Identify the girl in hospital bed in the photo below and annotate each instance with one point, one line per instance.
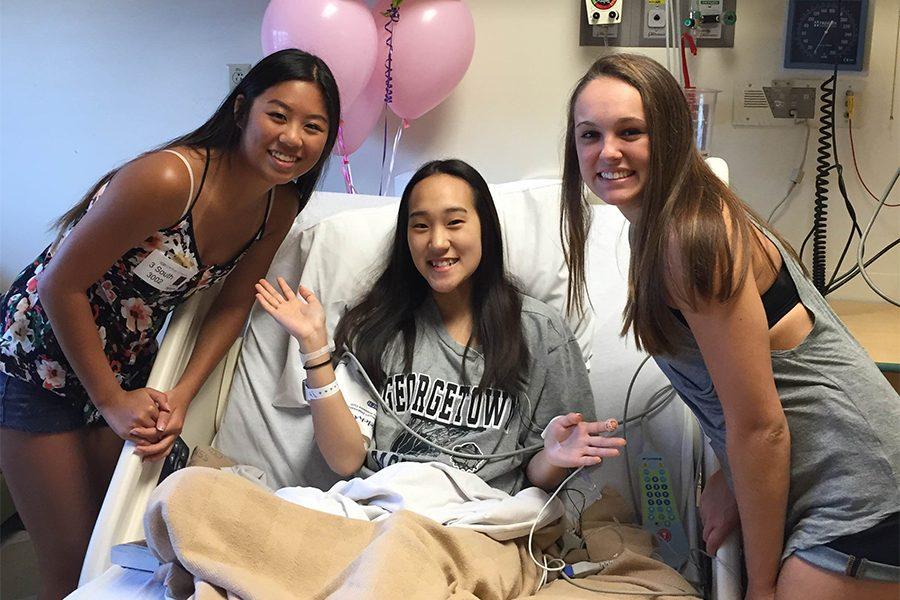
(806, 427)
(463, 358)
(80, 322)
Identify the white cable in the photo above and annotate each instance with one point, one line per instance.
(796, 173)
(860, 250)
(676, 39)
(545, 567)
(668, 32)
(543, 580)
(674, 34)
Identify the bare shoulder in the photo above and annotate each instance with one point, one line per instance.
(158, 182)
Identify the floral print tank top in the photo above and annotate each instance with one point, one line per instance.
(129, 309)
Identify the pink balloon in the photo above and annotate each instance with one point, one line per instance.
(433, 46)
(340, 32)
(361, 116)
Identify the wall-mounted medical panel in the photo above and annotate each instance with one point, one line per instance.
(643, 23)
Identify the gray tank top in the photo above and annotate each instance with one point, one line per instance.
(843, 416)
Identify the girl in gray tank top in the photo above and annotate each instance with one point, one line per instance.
(806, 427)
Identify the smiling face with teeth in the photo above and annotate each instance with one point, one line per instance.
(285, 130)
(444, 233)
(613, 143)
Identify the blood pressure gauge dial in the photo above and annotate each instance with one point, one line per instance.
(824, 33)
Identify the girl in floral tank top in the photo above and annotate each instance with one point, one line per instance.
(78, 326)
(128, 309)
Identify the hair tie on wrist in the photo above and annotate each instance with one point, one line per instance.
(321, 364)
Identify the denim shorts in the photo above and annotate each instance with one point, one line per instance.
(871, 554)
(28, 407)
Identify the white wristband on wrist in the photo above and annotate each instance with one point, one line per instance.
(305, 358)
(312, 394)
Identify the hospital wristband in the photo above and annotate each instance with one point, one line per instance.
(305, 358)
(312, 394)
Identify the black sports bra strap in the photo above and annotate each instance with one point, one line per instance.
(777, 301)
(262, 228)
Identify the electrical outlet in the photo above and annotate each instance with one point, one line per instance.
(847, 95)
(236, 72)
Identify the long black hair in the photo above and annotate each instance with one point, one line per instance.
(222, 131)
(370, 327)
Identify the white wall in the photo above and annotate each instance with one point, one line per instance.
(86, 85)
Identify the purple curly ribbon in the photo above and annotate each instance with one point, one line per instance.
(393, 16)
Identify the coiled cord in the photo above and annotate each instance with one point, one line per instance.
(823, 167)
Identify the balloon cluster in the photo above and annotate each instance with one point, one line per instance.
(408, 54)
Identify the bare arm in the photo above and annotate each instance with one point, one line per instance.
(733, 338)
(223, 323)
(144, 196)
(337, 434)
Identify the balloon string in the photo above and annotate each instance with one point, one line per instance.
(345, 161)
(383, 155)
(400, 129)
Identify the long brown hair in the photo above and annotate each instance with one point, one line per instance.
(684, 208)
(222, 131)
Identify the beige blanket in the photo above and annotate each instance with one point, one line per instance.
(223, 537)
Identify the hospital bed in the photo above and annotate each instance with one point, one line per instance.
(327, 244)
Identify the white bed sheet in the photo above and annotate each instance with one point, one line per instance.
(118, 582)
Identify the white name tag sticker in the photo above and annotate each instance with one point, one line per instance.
(162, 272)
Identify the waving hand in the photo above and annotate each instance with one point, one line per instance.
(300, 313)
